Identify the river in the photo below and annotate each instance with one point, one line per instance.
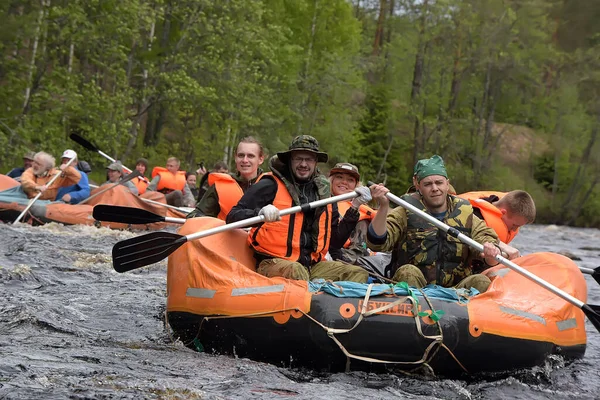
(71, 327)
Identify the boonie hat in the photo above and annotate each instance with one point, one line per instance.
(70, 154)
(345, 168)
(303, 143)
(116, 167)
(430, 166)
(30, 155)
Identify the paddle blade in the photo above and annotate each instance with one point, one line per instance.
(78, 139)
(593, 313)
(125, 215)
(144, 250)
(596, 274)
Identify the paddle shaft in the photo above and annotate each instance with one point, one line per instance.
(179, 209)
(261, 218)
(479, 247)
(127, 178)
(55, 177)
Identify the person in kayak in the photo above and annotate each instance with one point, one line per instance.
(294, 246)
(16, 173)
(505, 213)
(81, 190)
(34, 179)
(115, 173)
(225, 189)
(171, 182)
(422, 253)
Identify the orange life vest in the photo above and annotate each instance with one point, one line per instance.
(228, 191)
(141, 183)
(365, 213)
(281, 239)
(169, 181)
(491, 214)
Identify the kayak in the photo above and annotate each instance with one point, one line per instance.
(216, 302)
(13, 201)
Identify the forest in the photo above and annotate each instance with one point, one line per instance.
(506, 91)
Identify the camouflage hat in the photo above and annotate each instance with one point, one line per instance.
(345, 168)
(430, 166)
(29, 155)
(303, 143)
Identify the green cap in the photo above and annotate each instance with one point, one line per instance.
(430, 166)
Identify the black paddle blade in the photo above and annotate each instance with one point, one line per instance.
(125, 215)
(593, 313)
(144, 250)
(596, 274)
(78, 139)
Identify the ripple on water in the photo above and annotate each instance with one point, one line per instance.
(71, 327)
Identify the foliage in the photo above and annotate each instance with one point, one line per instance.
(380, 83)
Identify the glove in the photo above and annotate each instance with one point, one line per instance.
(270, 212)
(364, 196)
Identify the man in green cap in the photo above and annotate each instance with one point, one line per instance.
(294, 246)
(423, 254)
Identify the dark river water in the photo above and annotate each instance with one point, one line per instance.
(71, 327)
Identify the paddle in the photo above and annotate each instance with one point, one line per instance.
(55, 177)
(148, 249)
(125, 179)
(88, 145)
(183, 210)
(130, 215)
(591, 311)
(595, 273)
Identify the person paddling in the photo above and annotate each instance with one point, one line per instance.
(75, 193)
(115, 173)
(225, 190)
(423, 254)
(171, 182)
(41, 172)
(294, 246)
(16, 173)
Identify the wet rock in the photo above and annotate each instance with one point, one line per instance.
(572, 256)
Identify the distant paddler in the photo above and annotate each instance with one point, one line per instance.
(41, 172)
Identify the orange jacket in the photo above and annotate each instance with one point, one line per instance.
(228, 190)
(169, 181)
(141, 182)
(491, 214)
(70, 176)
(281, 239)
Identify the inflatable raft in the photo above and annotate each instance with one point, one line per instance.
(13, 201)
(217, 302)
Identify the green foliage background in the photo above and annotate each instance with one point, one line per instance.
(506, 91)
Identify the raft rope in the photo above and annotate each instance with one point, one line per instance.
(428, 354)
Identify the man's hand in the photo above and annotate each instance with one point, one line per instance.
(509, 252)
(63, 167)
(41, 188)
(378, 192)
(270, 212)
(364, 196)
(490, 251)
(201, 171)
(66, 198)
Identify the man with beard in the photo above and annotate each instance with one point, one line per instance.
(294, 246)
(424, 254)
(34, 179)
(225, 190)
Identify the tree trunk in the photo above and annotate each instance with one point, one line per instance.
(378, 42)
(36, 39)
(575, 186)
(416, 85)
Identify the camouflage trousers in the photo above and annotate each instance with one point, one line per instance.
(414, 277)
(328, 270)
